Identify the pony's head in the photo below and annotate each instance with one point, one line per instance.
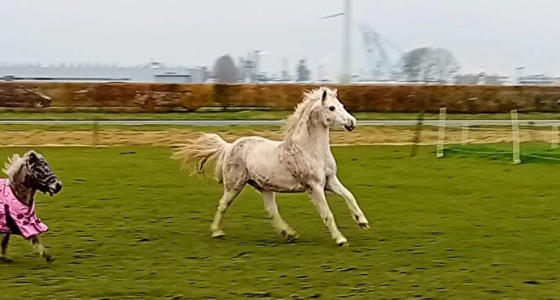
(33, 171)
(333, 113)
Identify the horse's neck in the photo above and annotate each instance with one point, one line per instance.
(312, 139)
(23, 193)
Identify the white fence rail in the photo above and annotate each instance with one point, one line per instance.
(512, 125)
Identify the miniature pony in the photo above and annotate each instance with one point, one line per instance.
(26, 176)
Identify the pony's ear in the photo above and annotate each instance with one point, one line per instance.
(324, 97)
(32, 158)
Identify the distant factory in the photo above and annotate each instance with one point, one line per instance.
(152, 72)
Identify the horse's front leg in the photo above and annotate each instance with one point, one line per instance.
(5, 240)
(317, 193)
(39, 248)
(334, 185)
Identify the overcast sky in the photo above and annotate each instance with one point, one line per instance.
(495, 36)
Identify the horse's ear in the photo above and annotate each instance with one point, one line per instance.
(32, 158)
(324, 97)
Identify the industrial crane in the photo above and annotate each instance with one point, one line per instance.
(380, 67)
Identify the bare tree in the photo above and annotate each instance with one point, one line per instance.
(225, 70)
(445, 65)
(412, 64)
(428, 64)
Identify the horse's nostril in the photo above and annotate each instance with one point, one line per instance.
(58, 187)
(349, 127)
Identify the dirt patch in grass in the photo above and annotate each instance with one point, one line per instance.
(364, 135)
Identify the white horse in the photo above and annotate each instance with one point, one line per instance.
(302, 162)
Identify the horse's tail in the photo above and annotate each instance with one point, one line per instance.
(204, 150)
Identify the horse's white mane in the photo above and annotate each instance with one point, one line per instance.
(15, 162)
(304, 108)
(13, 165)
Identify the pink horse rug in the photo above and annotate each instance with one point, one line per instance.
(16, 217)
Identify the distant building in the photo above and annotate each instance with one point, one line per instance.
(480, 79)
(539, 79)
(495, 79)
(153, 72)
(467, 79)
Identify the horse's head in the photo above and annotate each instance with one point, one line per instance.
(39, 174)
(335, 115)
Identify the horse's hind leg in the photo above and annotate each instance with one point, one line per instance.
(226, 200)
(277, 222)
(38, 246)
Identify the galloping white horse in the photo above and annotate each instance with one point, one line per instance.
(302, 162)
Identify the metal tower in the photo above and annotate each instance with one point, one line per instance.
(345, 72)
(378, 63)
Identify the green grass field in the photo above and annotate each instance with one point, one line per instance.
(529, 152)
(129, 225)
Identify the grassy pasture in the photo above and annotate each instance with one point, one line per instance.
(129, 225)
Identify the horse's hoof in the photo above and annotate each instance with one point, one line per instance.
(290, 237)
(342, 242)
(218, 234)
(364, 225)
(6, 259)
(49, 258)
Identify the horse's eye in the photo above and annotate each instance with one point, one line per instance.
(331, 108)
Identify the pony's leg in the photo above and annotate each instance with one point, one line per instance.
(5, 241)
(38, 246)
(277, 222)
(334, 185)
(320, 201)
(226, 200)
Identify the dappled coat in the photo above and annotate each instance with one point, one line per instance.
(16, 217)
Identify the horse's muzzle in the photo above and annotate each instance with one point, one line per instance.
(57, 187)
(350, 126)
(54, 187)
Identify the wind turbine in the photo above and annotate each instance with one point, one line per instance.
(345, 75)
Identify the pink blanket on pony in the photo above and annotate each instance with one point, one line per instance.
(16, 217)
